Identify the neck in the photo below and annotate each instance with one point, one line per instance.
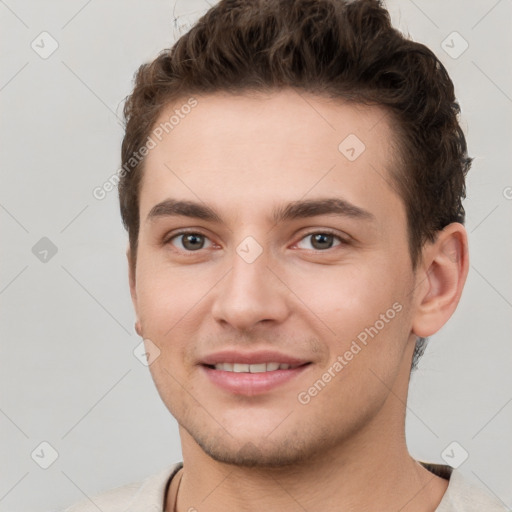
(344, 478)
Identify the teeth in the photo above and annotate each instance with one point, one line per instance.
(258, 368)
(252, 368)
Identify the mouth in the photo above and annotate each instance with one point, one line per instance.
(253, 368)
(251, 374)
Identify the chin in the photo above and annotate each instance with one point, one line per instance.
(258, 452)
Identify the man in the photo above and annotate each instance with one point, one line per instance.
(291, 185)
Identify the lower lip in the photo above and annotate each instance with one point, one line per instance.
(251, 384)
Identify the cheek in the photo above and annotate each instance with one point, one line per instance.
(167, 294)
(168, 301)
(366, 314)
(364, 318)
(348, 298)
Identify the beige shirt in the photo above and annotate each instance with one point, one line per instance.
(150, 494)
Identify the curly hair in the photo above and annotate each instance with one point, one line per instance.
(334, 48)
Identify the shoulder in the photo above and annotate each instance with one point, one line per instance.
(150, 491)
(463, 496)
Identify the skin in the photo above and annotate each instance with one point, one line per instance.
(244, 156)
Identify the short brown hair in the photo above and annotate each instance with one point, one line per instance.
(332, 48)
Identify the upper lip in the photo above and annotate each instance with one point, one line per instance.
(255, 357)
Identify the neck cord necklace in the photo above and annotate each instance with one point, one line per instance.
(174, 509)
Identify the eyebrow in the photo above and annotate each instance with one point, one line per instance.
(294, 210)
(314, 207)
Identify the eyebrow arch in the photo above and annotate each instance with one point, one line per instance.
(170, 207)
(294, 210)
(314, 207)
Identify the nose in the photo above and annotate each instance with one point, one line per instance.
(250, 294)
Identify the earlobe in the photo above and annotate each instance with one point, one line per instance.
(445, 268)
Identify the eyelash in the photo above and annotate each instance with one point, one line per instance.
(342, 240)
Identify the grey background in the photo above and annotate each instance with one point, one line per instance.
(68, 374)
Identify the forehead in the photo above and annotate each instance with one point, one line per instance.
(248, 152)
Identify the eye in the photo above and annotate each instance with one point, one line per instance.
(188, 241)
(321, 240)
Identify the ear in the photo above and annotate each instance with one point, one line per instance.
(440, 279)
(133, 289)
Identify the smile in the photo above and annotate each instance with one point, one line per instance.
(252, 379)
(253, 368)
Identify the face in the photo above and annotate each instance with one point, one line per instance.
(273, 276)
